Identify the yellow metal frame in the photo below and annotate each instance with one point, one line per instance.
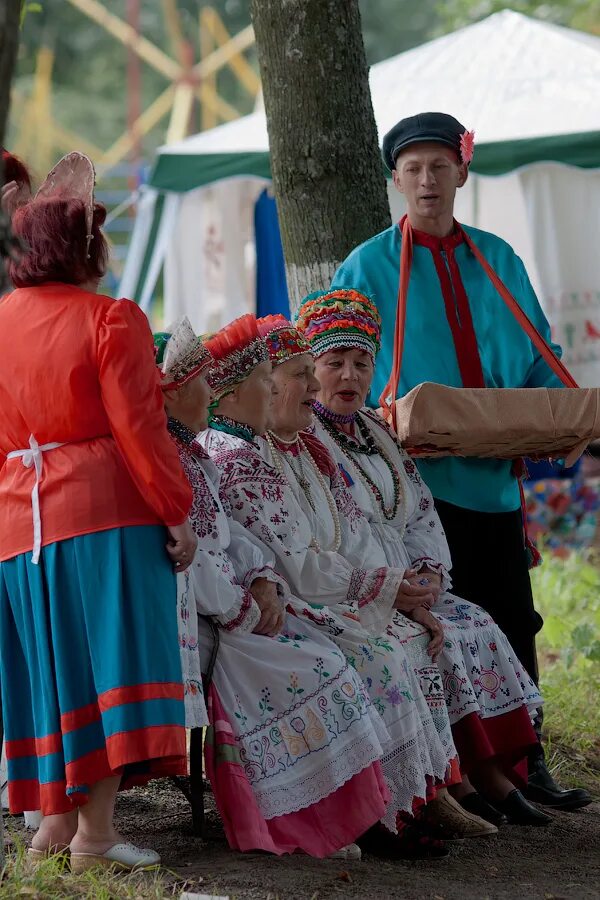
(39, 135)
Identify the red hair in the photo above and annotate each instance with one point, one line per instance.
(54, 232)
(14, 169)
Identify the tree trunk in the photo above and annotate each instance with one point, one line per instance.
(10, 13)
(325, 161)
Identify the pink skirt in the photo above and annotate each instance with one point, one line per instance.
(318, 830)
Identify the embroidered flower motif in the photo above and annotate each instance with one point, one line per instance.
(467, 146)
(394, 695)
(298, 724)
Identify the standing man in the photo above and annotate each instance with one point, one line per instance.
(459, 332)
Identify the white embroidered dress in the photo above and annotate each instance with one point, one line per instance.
(302, 719)
(480, 670)
(352, 605)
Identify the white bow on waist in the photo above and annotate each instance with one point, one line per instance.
(33, 456)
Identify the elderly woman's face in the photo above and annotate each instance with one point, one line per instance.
(345, 377)
(295, 389)
(189, 403)
(250, 402)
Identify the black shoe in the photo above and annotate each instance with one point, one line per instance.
(542, 788)
(478, 806)
(520, 812)
(410, 843)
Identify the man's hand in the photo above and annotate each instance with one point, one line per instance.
(436, 630)
(271, 612)
(411, 595)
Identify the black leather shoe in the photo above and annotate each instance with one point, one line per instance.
(542, 788)
(478, 806)
(411, 843)
(519, 811)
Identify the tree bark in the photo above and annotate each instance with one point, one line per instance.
(325, 162)
(10, 12)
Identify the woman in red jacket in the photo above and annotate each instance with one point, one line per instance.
(92, 505)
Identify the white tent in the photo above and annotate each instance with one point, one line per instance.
(530, 90)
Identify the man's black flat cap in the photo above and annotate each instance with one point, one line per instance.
(429, 126)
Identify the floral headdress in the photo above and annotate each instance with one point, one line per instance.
(283, 340)
(236, 351)
(344, 318)
(180, 355)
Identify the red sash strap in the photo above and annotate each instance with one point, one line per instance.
(463, 334)
(544, 348)
(465, 359)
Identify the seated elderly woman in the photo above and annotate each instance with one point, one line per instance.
(353, 601)
(293, 751)
(488, 693)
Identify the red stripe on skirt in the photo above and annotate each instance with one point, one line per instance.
(30, 794)
(128, 747)
(79, 718)
(50, 743)
(138, 693)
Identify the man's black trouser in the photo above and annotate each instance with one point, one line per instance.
(490, 568)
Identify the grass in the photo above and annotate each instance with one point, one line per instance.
(52, 880)
(567, 594)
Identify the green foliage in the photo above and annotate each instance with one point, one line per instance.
(27, 8)
(581, 14)
(392, 26)
(567, 594)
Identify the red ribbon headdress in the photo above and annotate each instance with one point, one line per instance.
(236, 351)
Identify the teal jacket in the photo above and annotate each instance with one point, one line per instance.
(508, 357)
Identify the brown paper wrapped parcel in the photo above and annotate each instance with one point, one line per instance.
(503, 423)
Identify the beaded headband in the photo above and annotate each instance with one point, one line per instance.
(180, 355)
(282, 339)
(344, 318)
(236, 351)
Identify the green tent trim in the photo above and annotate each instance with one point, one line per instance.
(184, 172)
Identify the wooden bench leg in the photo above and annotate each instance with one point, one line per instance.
(197, 781)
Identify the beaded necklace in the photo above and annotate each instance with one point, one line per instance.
(230, 426)
(277, 457)
(370, 447)
(180, 431)
(326, 413)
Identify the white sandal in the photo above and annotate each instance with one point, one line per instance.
(350, 852)
(124, 857)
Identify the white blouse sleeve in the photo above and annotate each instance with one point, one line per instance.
(216, 592)
(251, 559)
(424, 537)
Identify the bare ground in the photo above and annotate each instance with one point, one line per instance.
(560, 861)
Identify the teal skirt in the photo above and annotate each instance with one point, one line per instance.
(89, 667)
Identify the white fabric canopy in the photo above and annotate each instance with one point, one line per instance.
(508, 77)
(531, 92)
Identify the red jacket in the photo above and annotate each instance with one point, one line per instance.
(78, 368)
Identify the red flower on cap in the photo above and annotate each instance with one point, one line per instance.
(467, 145)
